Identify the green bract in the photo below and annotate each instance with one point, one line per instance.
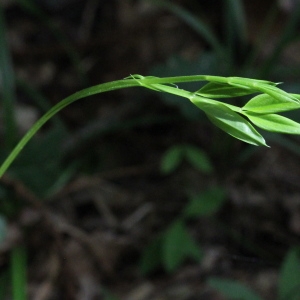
(237, 121)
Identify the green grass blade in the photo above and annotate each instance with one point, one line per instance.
(18, 272)
(7, 86)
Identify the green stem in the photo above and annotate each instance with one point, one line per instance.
(18, 272)
(155, 83)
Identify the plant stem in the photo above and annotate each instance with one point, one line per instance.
(18, 272)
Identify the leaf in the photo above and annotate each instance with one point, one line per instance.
(177, 246)
(265, 104)
(249, 82)
(277, 93)
(289, 282)
(266, 87)
(232, 289)
(219, 90)
(274, 123)
(198, 159)
(206, 62)
(171, 159)
(205, 204)
(230, 121)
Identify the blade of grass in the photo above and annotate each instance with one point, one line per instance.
(18, 266)
(7, 86)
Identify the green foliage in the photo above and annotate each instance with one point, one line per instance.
(172, 159)
(198, 159)
(39, 163)
(172, 247)
(207, 203)
(233, 289)
(289, 282)
(228, 117)
(175, 155)
(177, 246)
(229, 51)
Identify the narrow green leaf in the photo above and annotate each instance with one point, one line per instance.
(219, 90)
(250, 83)
(18, 265)
(289, 283)
(265, 104)
(274, 123)
(231, 122)
(198, 159)
(206, 203)
(171, 160)
(232, 289)
(178, 245)
(277, 93)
